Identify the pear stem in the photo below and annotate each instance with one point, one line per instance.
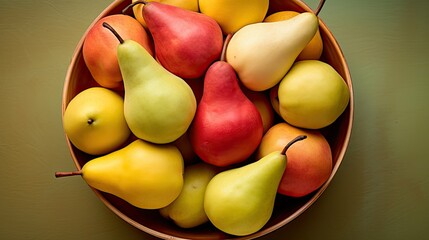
(132, 5)
(319, 8)
(299, 138)
(66, 174)
(106, 25)
(225, 45)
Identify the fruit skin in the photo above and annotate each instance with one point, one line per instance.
(312, 95)
(186, 42)
(94, 121)
(263, 104)
(314, 48)
(146, 175)
(191, 5)
(240, 201)
(227, 127)
(159, 106)
(262, 53)
(234, 14)
(99, 48)
(187, 211)
(184, 145)
(274, 98)
(309, 162)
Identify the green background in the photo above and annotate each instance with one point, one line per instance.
(381, 190)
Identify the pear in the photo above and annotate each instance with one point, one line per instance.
(187, 211)
(262, 53)
(158, 105)
(227, 127)
(312, 95)
(146, 175)
(240, 201)
(186, 42)
(234, 14)
(191, 5)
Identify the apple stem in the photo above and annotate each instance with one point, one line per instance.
(225, 45)
(106, 25)
(66, 174)
(132, 5)
(319, 8)
(299, 138)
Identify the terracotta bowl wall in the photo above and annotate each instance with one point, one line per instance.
(286, 209)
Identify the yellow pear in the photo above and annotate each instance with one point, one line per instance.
(234, 14)
(147, 175)
(187, 210)
(191, 5)
(314, 48)
(262, 53)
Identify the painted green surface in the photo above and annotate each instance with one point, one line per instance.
(381, 190)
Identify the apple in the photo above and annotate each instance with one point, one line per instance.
(263, 104)
(191, 5)
(94, 121)
(309, 162)
(100, 47)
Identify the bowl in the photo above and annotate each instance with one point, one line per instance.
(286, 209)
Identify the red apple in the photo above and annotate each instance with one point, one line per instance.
(309, 162)
(100, 47)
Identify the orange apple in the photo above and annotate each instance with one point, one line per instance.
(263, 104)
(309, 162)
(100, 47)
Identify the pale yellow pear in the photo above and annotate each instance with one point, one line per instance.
(314, 48)
(191, 5)
(312, 95)
(262, 53)
(234, 14)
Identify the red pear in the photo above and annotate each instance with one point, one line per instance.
(227, 126)
(186, 42)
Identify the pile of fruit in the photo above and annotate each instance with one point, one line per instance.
(206, 117)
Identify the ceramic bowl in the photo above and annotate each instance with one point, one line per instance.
(286, 209)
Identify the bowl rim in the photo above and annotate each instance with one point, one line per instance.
(264, 231)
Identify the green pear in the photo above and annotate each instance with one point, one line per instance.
(262, 53)
(187, 210)
(158, 105)
(240, 201)
(147, 175)
(312, 95)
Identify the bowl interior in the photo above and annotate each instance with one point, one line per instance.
(286, 209)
